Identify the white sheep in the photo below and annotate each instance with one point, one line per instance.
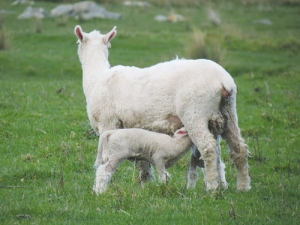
(134, 144)
(164, 98)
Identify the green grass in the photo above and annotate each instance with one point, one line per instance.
(48, 151)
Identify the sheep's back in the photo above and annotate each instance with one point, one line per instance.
(147, 97)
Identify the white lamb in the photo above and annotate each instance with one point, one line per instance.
(197, 94)
(134, 144)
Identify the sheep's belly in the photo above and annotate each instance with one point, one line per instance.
(167, 126)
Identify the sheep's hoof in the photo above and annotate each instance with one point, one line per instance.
(212, 185)
(243, 185)
(224, 185)
(96, 166)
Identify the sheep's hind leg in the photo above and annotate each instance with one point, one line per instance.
(206, 144)
(238, 153)
(196, 160)
(145, 171)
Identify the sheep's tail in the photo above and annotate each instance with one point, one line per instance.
(228, 88)
(228, 104)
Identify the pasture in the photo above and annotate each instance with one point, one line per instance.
(48, 148)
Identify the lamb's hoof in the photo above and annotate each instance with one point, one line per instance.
(190, 185)
(99, 189)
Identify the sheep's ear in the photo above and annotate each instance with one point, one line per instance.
(110, 35)
(79, 33)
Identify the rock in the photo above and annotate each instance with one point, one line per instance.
(3, 11)
(213, 17)
(173, 17)
(30, 12)
(66, 9)
(85, 10)
(161, 18)
(136, 3)
(89, 10)
(263, 21)
(17, 2)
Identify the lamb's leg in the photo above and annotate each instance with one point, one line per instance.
(104, 174)
(194, 162)
(238, 149)
(163, 175)
(145, 171)
(99, 159)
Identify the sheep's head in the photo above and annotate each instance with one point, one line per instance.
(93, 40)
(180, 133)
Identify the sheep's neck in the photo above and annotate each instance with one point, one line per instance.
(93, 65)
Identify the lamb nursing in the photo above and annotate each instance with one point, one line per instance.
(197, 94)
(137, 144)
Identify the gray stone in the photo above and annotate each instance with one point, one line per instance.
(85, 10)
(136, 3)
(31, 12)
(66, 9)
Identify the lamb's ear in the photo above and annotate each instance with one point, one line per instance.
(180, 132)
(78, 32)
(110, 35)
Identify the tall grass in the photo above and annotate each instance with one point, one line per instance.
(4, 36)
(200, 48)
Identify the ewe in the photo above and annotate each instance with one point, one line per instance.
(197, 94)
(158, 149)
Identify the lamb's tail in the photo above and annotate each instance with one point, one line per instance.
(102, 149)
(104, 143)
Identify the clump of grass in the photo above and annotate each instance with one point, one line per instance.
(257, 154)
(200, 48)
(38, 25)
(213, 17)
(4, 37)
(62, 21)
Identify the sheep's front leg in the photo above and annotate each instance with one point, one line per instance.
(145, 171)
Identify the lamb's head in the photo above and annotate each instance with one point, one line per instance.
(182, 132)
(93, 42)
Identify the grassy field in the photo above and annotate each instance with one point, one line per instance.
(48, 149)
